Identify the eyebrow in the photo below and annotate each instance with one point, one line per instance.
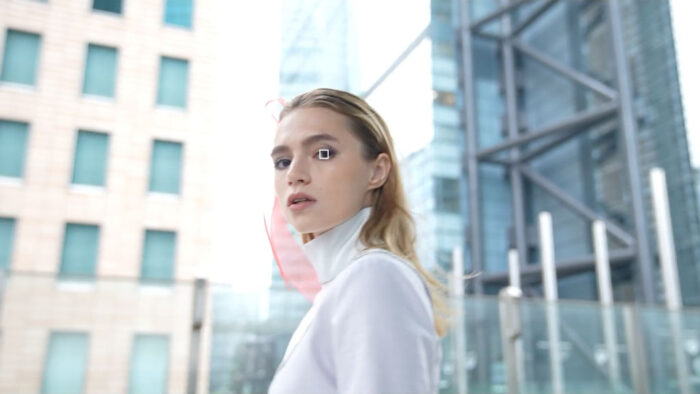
(307, 141)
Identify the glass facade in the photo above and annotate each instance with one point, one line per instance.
(662, 139)
(100, 71)
(20, 57)
(65, 363)
(80, 250)
(166, 164)
(90, 162)
(13, 148)
(432, 175)
(158, 259)
(172, 82)
(589, 165)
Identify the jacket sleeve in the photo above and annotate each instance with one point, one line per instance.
(383, 336)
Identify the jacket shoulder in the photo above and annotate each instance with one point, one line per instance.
(379, 267)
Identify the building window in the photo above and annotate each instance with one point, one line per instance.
(178, 13)
(90, 164)
(446, 194)
(166, 163)
(158, 256)
(64, 366)
(114, 6)
(149, 364)
(20, 58)
(80, 246)
(7, 235)
(172, 82)
(13, 145)
(100, 71)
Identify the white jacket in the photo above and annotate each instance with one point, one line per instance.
(370, 328)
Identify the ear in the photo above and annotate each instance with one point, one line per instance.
(380, 171)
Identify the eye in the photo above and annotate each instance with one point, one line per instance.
(325, 153)
(279, 164)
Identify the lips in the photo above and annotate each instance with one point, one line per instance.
(296, 196)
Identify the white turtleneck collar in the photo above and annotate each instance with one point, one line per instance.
(332, 251)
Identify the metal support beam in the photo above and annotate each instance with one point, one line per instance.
(579, 120)
(565, 136)
(619, 106)
(502, 162)
(566, 71)
(516, 178)
(627, 122)
(532, 17)
(498, 13)
(490, 36)
(532, 273)
(575, 205)
(470, 148)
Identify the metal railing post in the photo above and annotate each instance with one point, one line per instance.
(460, 340)
(511, 336)
(602, 265)
(549, 283)
(669, 272)
(635, 351)
(198, 306)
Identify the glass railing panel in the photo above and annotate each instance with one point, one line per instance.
(672, 348)
(577, 346)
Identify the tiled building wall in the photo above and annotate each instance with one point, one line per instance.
(113, 306)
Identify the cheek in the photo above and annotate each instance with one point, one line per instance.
(279, 186)
(347, 183)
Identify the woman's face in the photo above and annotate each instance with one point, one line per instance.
(338, 181)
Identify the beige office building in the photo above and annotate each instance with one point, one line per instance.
(105, 205)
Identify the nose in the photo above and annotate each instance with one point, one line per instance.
(297, 173)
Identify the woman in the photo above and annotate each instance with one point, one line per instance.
(375, 326)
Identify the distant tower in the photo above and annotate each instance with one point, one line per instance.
(318, 47)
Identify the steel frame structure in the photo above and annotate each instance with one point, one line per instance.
(618, 105)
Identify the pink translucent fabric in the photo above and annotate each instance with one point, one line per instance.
(295, 268)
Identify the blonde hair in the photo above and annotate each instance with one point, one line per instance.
(390, 226)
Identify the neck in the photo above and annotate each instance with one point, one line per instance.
(332, 250)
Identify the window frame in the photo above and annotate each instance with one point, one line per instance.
(158, 282)
(188, 92)
(19, 181)
(181, 178)
(61, 276)
(179, 27)
(37, 66)
(98, 97)
(120, 14)
(83, 186)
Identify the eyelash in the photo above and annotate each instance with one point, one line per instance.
(331, 153)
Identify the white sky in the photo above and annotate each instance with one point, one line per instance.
(247, 77)
(243, 191)
(687, 32)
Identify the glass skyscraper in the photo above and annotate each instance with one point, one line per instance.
(588, 165)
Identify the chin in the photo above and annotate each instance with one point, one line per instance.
(307, 228)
